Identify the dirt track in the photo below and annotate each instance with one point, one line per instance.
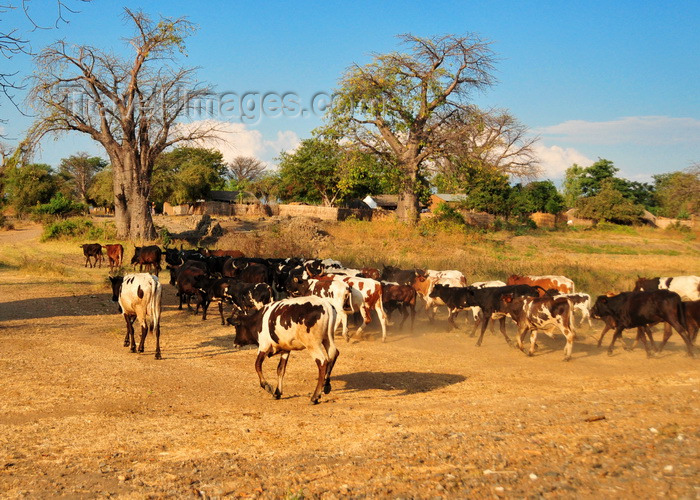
(427, 414)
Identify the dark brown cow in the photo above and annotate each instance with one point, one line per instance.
(371, 273)
(221, 253)
(115, 255)
(93, 250)
(147, 256)
(401, 297)
(561, 283)
(640, 309)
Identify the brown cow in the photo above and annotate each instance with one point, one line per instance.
(115, 255)
(561, 283)
(221, 253)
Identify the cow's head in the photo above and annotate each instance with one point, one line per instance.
(601, 307)
(137, 253)
(116, 282)
(248, 327)
(173, 257)
(297, 286)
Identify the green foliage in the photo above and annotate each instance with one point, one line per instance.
(444, 212)
(101, 190)
(678, 193)
(609, 205)
(488, 191)
(321, 171)
(165, 237)
(78, 227)
(186, 175)
(585, 182)
(30, 185)
(60, 206)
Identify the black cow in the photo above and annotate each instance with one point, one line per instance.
(639, 309)
(186, 279)
(93, 250)
(246, 271)
(456, 299)
(147, 256)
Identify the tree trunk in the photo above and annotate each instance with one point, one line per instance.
(407, 209)
(132, 211)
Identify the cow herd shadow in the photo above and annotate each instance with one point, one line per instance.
(408, 382)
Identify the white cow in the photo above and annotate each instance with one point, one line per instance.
(688, 287)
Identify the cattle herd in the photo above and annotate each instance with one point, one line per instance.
(283, 305)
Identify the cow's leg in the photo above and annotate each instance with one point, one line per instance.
(486, 317)
(413, 315)
(533, 342)
(503, 328)
(332, 357)
(684, 335)
(87, 259)
(281, 369)
(478, 318)
(520, 337)
(569, 344)
(616, 335)
(258, 369)
(130, 331)
(452, 314)
(127, 338)
(157, 331)
(382, 318)
(366, 318)
(322, 370)
(602, 334)
(144, 332)
(221, 312)
(642, 336)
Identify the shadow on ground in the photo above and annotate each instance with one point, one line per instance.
(408, 382)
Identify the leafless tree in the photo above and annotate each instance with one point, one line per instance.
(131, 107)
(246, 168)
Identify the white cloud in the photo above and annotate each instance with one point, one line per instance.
(236, 139)
(640, 130)
(555, 160)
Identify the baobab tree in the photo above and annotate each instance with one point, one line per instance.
(131, 107)
(407, 107)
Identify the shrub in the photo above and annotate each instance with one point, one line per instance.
(60, 206)
(77, 227)
(165, 237)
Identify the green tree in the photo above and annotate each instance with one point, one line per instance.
(312, 172)
(489, 192)
(678, 193)
(187, 174)
(609, 205)
(542, 196)
(79, 171)
(30, 185)
(414, 106)
(572, 184)
(101, 190)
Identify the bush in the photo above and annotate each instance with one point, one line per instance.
(78, 227)
(60, 206)
(165, 237)
(445, 213)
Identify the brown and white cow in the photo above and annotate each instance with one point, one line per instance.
(561, 283)
(371, 292)
(335, 291)
(291, 325)
(532, 314)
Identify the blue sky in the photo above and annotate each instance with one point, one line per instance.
(616, 80)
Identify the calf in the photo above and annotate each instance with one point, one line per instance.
(147, 256)
(115, 255)
(400, 276)
(561, 283)
(401, 297)
(688, 287)
(579, 302)
(540, 313)
(139, 297)
(291, 325)
(93, 250)
(639, 309)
